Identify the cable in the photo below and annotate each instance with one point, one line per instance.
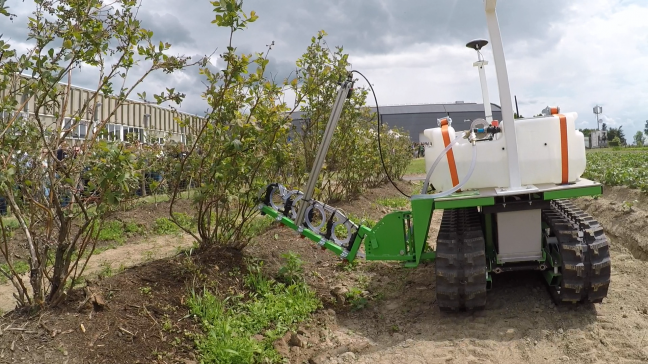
(379, 147)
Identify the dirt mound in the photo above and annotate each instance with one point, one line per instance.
(624, 215)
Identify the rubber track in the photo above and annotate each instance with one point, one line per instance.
(461, 261)
(585, 253)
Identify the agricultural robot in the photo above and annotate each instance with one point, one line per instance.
(505, 198)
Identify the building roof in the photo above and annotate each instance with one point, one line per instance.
(426, 108)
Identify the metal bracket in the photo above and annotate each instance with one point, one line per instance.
(342, 95)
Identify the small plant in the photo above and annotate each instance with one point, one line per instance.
(230, 324)
(356, 299)
(167, 325)
(292, 271)
(627, 205)
(395, 203)
(10, 223)
(362, 220)
(146, 290)
(348, 266)
(112, 231)
(164, 226)
(106, 270)
(133, 228)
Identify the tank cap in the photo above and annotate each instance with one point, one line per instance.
(548, 111)
(444, 121)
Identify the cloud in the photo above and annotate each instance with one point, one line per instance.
(168, 28)
(572, 54)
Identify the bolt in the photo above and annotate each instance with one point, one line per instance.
(402, 252)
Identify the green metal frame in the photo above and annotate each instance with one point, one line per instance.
(402, 235)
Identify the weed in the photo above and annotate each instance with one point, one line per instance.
(185, 220)
(164, 226)
(362, 220)
(395, 203)
(230, 324)
(19, 266)
(106, 270)
(149, 255)
(167, 325)
(356, 299)
(112, 231)
(348, 266)
(133, 228)
(627, 205)
(292, 271)
(258, 226)
(416, 166)
(146, 290)
(10, 223)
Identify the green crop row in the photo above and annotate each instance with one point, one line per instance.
(619, 168)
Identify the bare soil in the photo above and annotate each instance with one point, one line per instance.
(393, 317)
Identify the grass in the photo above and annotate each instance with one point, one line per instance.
(230, 324)
(165, 226)
(417, 166)
(10, 223)
(362, 220)
(112, 231)
(395, 202)
(19, 266)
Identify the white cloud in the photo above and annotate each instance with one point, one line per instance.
(572, 54)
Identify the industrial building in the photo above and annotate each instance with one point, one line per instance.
(416, 118)
(132, 121)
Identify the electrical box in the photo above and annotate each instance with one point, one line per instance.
(519, 236)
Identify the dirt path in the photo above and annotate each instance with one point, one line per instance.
(520, 323)
(121, 257)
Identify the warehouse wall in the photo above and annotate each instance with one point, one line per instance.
(130, 116)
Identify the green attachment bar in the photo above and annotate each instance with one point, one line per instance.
(448, 203)
(388, 240)
(573, 192)
(422, 209)
(338, 250)
(362, 232)
(553, 279)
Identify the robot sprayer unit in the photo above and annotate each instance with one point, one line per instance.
(505, 189)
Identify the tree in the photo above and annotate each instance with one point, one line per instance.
(617, 132)
(646, 128)
(604, 127)
(54, 196)
(586, 132)
(639, 138)
(516, 116)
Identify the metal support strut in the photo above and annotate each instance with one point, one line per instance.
(342, 95)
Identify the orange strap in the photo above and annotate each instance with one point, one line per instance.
(450, 154)
(564, 148)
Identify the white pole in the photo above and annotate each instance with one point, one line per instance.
(482, 79)
(508, 127)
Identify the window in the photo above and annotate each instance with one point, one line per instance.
(79, 131)
(133, 134)
(111, 132)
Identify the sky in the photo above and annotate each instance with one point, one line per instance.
(574, 54)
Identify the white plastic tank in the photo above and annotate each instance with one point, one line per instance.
(539, 155)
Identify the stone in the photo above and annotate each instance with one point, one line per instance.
(348, 357)
(281, 347)
(339, 292)
(298, 340)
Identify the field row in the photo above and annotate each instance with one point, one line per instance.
(619, 168)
